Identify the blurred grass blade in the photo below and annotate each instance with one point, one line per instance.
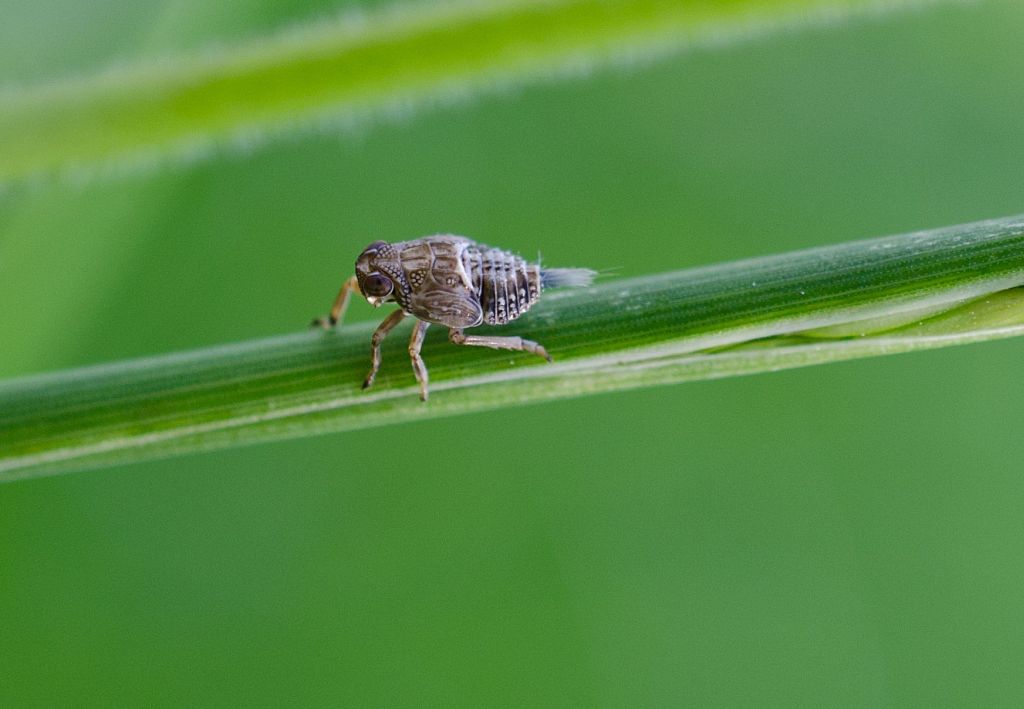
(334, 72)
(896, 294)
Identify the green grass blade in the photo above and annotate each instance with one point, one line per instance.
(896, 294)
(334, 72)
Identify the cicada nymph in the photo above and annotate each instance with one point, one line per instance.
(451, 281)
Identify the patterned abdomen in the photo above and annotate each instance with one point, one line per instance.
(504, 283)
(453, 281)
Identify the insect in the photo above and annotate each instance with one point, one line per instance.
(451, 281)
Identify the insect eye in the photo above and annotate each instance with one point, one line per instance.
(377, 286)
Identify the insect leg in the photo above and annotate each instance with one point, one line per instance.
(378, 336)
(499, 343)
(340, 304)
(418, 368)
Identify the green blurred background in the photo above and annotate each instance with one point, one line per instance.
(849, 535)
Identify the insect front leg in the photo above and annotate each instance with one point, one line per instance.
(458, 337)
(418, 367)
(340, 305)
(378, 336)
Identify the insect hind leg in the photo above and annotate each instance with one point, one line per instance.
(458, 337)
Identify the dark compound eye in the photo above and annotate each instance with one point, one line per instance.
(377, 286)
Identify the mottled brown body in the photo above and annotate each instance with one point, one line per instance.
(452, 281)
